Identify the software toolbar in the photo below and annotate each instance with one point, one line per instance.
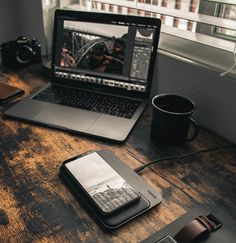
(103, 81)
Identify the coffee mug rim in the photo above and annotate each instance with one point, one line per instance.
(170, 112)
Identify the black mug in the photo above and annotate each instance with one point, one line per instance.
(171, 119)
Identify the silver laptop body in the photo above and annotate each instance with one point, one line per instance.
(105, 55)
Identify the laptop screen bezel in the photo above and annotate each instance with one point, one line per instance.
(106, 19)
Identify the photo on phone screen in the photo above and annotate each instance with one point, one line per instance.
(102, 183)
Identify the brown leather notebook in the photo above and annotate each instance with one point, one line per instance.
(8, 92)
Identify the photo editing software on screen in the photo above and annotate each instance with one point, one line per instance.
(115, 55)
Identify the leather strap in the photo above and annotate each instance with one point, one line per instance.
(199, 226)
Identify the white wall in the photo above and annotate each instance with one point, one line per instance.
(30, 18)
(8, 24)
(214, 95)
(21, 17)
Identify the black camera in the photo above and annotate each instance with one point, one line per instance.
(21, 52)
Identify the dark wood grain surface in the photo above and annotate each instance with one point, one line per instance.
(35, 206)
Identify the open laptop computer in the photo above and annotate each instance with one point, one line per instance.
(102, 68)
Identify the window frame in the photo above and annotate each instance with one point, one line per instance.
(213, 9)
(219, 60)
(219, 11)
(196, 53)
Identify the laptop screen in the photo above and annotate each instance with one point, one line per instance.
(115, 54)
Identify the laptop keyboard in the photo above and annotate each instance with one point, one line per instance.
(96, 102)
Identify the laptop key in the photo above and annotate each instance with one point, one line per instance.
(106, 104)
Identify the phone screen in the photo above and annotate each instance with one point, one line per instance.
(104, 185)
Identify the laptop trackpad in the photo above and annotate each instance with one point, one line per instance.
(67, 117)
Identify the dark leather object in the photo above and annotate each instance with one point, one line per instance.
(8, 92)
(196, 228)
(225, 234)
(190, 231)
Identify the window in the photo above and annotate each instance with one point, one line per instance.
(190, 28)
(226, 11)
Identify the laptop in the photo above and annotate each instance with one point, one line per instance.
(101, 75)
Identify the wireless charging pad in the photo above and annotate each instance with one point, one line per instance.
(149, 196)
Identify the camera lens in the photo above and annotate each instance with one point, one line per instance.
(24, 54)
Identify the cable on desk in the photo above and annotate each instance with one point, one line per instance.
(140, 168)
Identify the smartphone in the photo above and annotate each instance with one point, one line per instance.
(108, 191)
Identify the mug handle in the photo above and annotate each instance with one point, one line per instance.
(196, 128)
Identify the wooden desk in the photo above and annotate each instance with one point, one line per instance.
(35, 206)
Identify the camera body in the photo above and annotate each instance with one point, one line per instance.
(20, 52)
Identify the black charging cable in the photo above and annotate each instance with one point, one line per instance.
(140, 168)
